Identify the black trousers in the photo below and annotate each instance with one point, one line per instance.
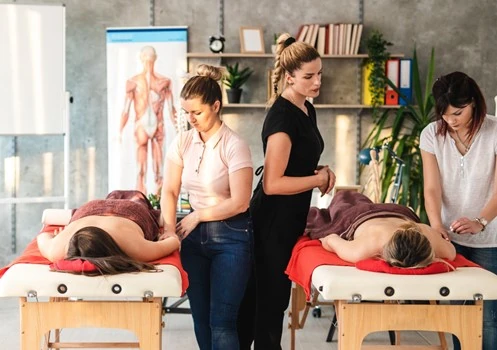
(268, 293)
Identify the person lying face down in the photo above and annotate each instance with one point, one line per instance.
(355, 228)
(118, 234)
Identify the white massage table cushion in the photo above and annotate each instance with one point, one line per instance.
(346, 282)
(21, 279)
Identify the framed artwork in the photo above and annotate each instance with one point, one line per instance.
(251, 40)
(145, 73)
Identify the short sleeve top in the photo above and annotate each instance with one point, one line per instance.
(307, 146)
(207, 165)
(467, 180)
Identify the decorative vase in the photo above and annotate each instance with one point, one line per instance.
(234, 95)
(273, 49)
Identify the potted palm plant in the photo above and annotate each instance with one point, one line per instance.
(404, 126)
(234, 80)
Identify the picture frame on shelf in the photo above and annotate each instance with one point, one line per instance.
(251, 40)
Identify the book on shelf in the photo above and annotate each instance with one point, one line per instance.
(302, 32)
(392, 69)
(367, 98)
(321, 40)
(348, 38)
(405, 82)
(327, 40)
(353, 39)
(269, 84)
(308, 36)
(313, 36)
(357, 40)
(332, 38)
(336, 39)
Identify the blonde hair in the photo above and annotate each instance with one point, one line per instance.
(408, 248)
(290, 55)
(205, 85)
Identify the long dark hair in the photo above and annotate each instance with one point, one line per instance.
(98, 247)
(457, 89)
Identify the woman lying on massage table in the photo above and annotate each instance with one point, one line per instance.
(117, 234)
(355, 228)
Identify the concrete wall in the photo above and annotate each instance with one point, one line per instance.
(462, 33)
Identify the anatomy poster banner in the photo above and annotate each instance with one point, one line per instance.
(146, 68)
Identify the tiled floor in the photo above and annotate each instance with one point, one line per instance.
(178, 333)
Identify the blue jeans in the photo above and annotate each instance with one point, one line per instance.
(486, 258)
(218, 258)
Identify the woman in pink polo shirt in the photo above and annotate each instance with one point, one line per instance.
(213, 164)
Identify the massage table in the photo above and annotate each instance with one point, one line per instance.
(351, 291)
(55, 300)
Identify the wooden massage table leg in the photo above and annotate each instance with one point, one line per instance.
(441, 335)
(142, 318)
(356, 320)
(298, 303)
(56, 331)
(394, 336)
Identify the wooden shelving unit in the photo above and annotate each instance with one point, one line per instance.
(317, 106)
(267, 55)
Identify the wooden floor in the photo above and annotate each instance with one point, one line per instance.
(178, 333)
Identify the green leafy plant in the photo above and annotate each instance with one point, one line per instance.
(235, 78)
(275, 38)
(154, 199)
(404, 126)
(377, 56)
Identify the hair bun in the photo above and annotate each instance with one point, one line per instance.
(205, 70)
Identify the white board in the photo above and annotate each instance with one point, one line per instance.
(32, 69)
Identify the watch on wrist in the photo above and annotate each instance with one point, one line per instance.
(483, 222)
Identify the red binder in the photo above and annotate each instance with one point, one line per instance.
(393, 74)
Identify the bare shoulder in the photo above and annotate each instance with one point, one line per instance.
(442, 247)
(428, 231)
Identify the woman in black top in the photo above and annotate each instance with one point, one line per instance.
(292, 146)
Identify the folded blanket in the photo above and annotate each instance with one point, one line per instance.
(132, 205)
(347, 211)
(309, 254)
(32, 255)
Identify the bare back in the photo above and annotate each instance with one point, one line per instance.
(377, 232)
(122, 230)
(371, 236)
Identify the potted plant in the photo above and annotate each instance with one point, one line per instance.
(234, 80)
(405, 125)
(375, 68)
(275, 43)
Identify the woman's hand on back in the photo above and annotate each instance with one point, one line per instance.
(442, 230)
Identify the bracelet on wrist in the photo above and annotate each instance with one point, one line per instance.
(482, 221)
